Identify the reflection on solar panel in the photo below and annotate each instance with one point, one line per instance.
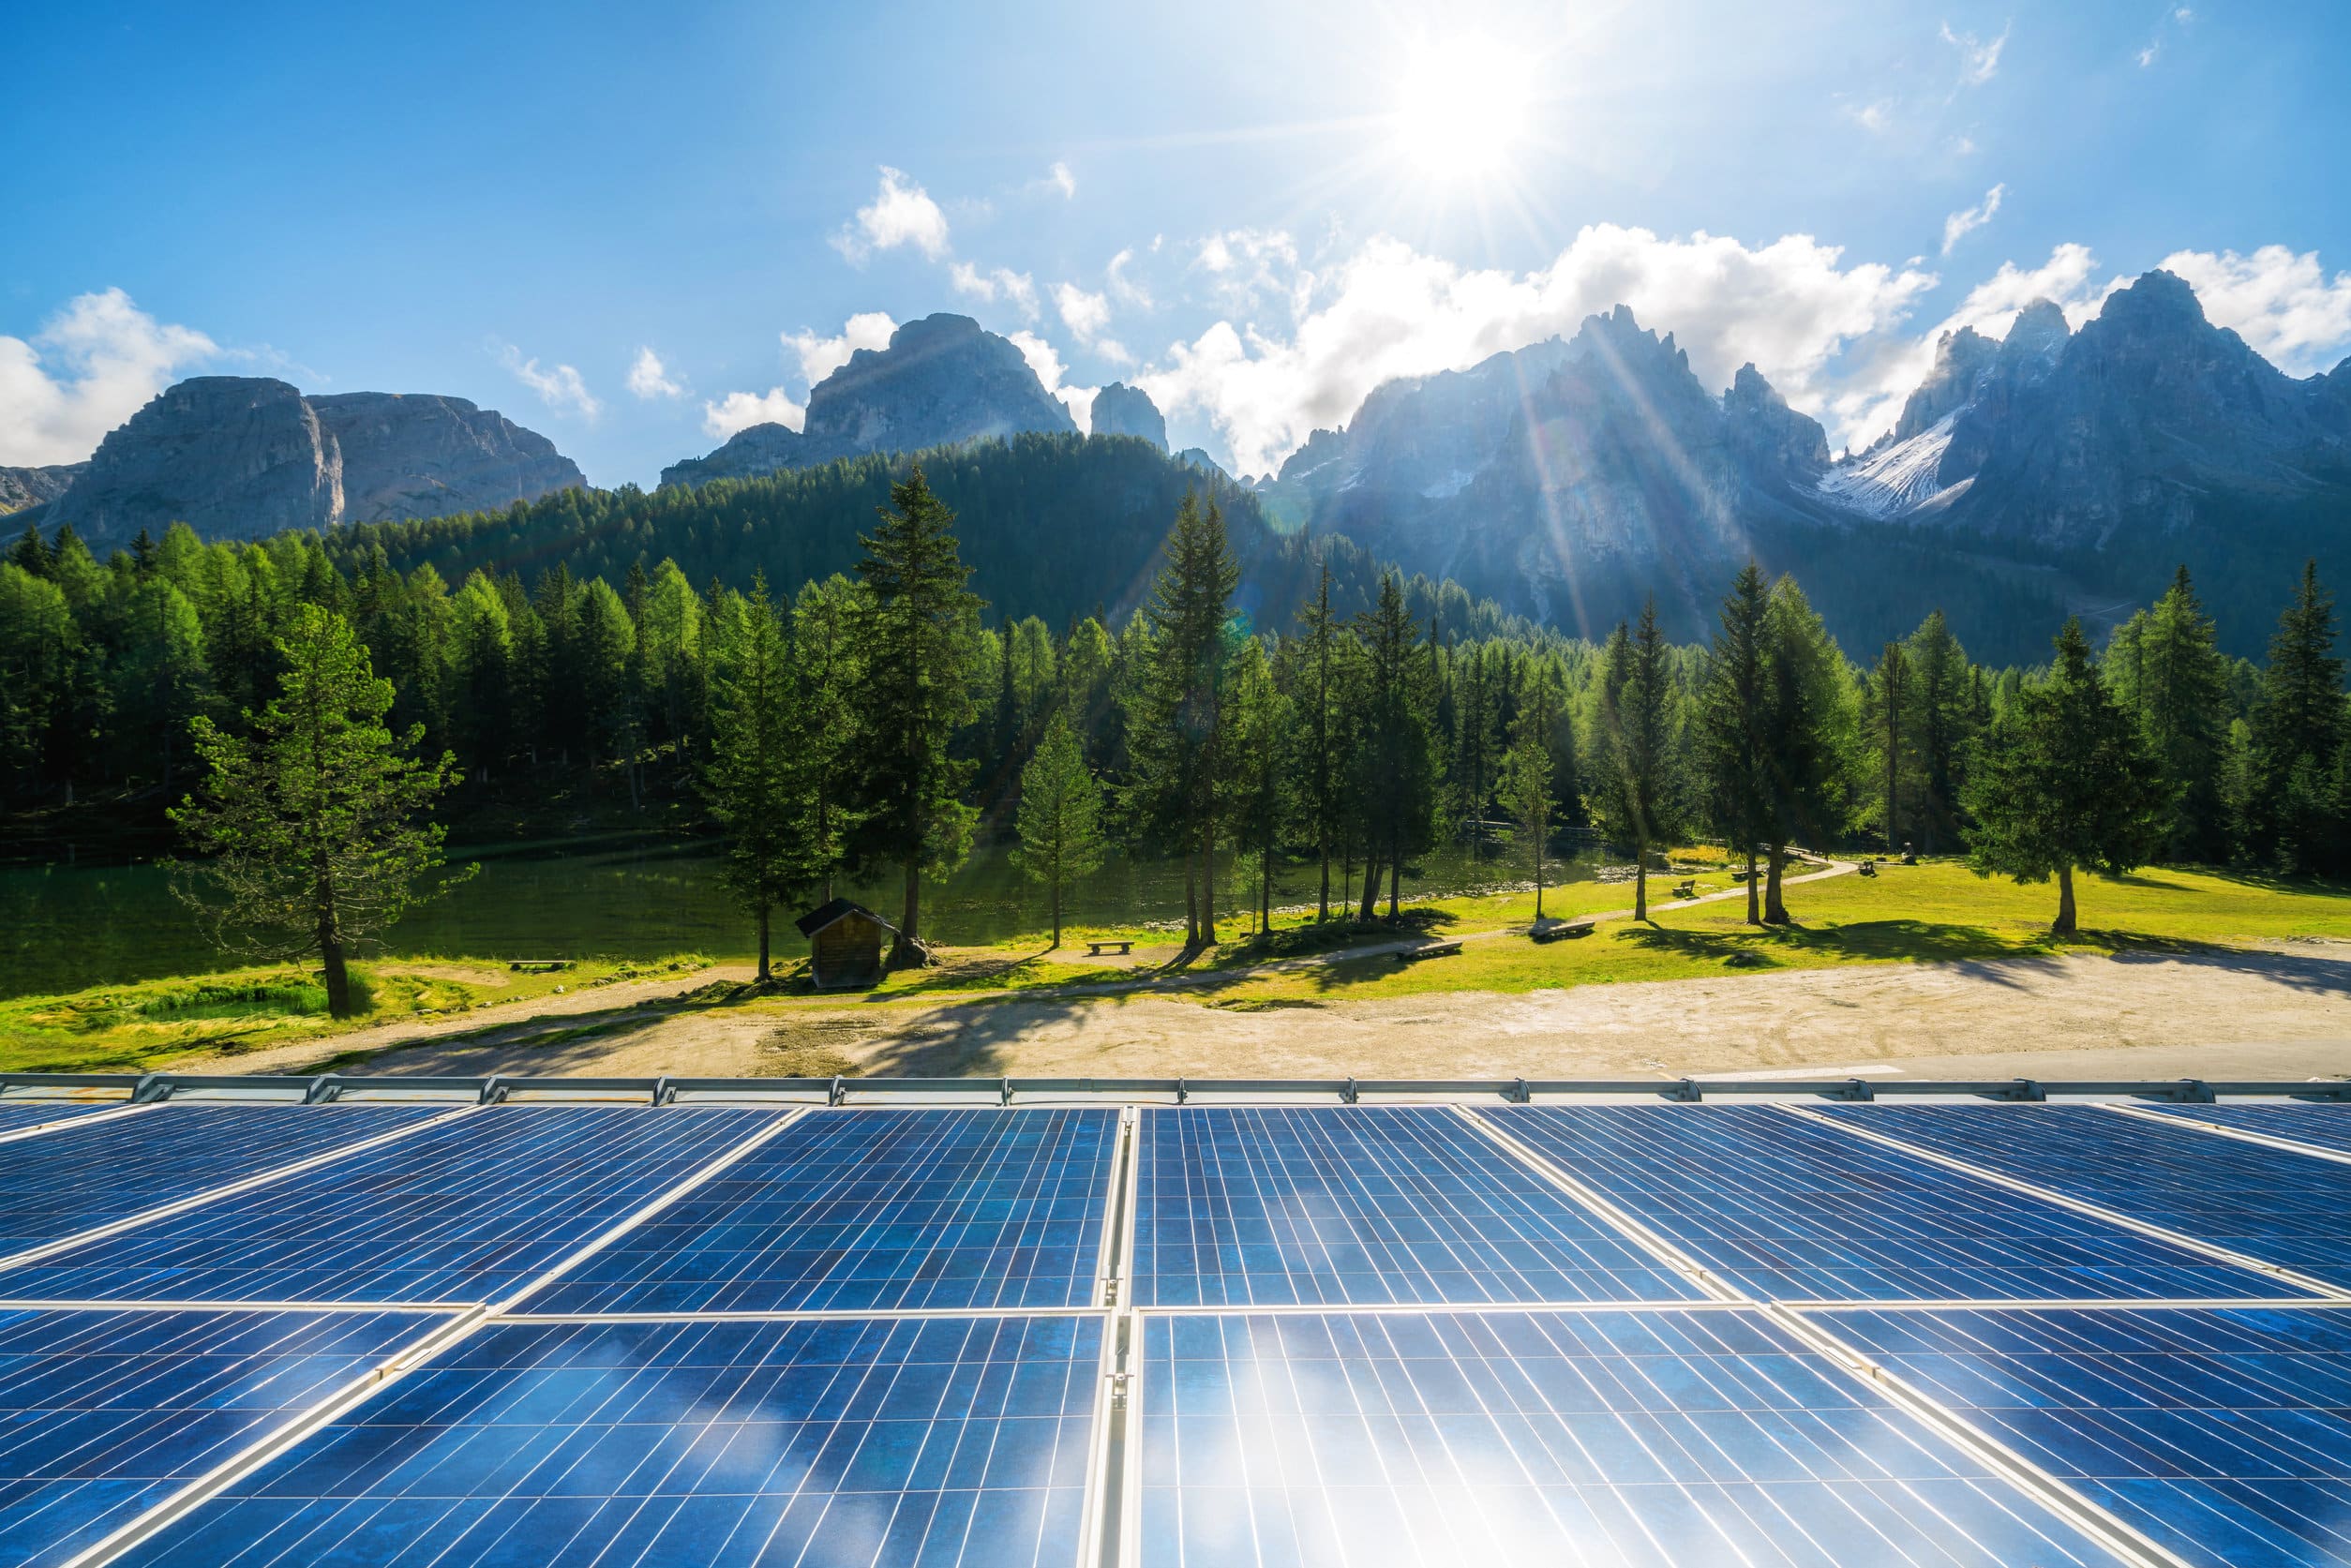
(1786, 1209)
(75, 1178)
(2322, 1127)
(16, 1115)
(2225, 1435)
(860, 1210)
(103, 1414)
(630, 1445)
(467, 1211)
(2272, 1204)
(1668, 1437)
(1272, 1207)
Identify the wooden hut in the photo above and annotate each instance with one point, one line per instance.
(845, 945)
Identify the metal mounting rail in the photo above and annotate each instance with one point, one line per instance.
(499, 1089)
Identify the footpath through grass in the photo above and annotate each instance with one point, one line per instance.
(154, 1023)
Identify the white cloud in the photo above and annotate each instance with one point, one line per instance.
(2146, 55)
(1979, 61)
(559, 387)
(1062, 180)
(1082, 313)
(649, 380)
(2069, 277)
(2284, 304)
(1125, 290)
(1968, 220)
(1245, 265)
(1113, 350)
(1391, 311)
(1876, 117)
(1046, 360)
(90, 367)
(820, 357)
(1018, 288)
(901, 213)
(738, 411)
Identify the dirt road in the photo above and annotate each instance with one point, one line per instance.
(2283, 1011)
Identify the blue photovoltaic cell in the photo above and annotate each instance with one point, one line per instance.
(875, 1210)
(2272, 1204)
(2322, 1127)
(1664, 1439)
(103, 1414)
(1785, 1209)
(74, 1178)
(466, 1211)
(2225, 1435)
(16, 1115)
(1361, 1205)
(945, 1443)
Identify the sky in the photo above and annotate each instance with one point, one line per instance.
(637, 229)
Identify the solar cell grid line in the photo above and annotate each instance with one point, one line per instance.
(2326, 1129)
(1240, 1206)
(2283, 1209)
(28, 1118)
(72, 1181)
(875, 1210)
(462, 1212)
(1790, 1210)
(2223, 1433)
(103, 1414)
(1660, 1436)
(646, 1445)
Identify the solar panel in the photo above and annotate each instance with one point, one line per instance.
(2323, 1127)
(18, 1115)
(1268, 1208)
(2279, 1206)
(1785, 1209)
(466, 1211)
(104, 1414)
(76, 1178)
(2225, 1435)
(1667, 1437)
(860, 1210)
(956, 1443)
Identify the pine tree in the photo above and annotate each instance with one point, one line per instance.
(1888, 703)
(1259, 795)
(2063, 781)
(1637, 742)
(913, 632)
(1944, 688)
(751, 782)
(2182, 689)
(2296, 725)
(1524, 789)
(824, 650)
(1318, 693)
(1060, 814)
(1734, 720)
(1397, 770)
(1810, 747)
(310, 823)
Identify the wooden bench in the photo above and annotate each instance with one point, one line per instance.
(1428, 949)
(538, 966)
(1685, 889)
(1563, 932)
(1096, 949)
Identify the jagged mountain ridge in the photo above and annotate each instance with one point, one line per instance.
(22, 488)
(248, 457)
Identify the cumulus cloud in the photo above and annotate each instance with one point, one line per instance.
(1968, 220)
(820, 357)
(740, 411)
(902, 213)
(1125, 290)
(90, 367)
(2283, 304)
(649, 379)
(1244, 266)
(1876, 116)
(1060, 177)
(1390, 311)
(1046, 360)
(1084, 314)
(1978, 60)
(2069, 277)
(1017, 288)
(559, 387)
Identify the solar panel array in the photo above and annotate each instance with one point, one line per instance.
(267, 1335)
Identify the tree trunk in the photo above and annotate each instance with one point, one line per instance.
(1755, 916)
(765, 973)
(339, 972)
(1265, 887)
(1370, 891)
(2065, 925)
(1641, 875)
(1191, 901)
(1209, 887)
(1394, 877)
(1057, 909)
(906, 951)
(1322, 848)
(1538, 877)
(1774, 910)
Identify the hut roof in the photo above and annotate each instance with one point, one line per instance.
(838, 909)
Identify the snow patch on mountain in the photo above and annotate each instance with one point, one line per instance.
(1894, 479)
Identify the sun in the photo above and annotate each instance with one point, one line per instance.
(1462, 107)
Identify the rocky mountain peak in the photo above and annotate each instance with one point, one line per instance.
(1120, 409)
(1961, 358)
(1765, 431)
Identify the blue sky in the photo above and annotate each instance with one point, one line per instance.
(515, 203)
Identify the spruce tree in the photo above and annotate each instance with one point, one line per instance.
(311, 820)
(1810, 747)
(1637, 714)
(751, 782)
(1396, 769)
(825, 671)
(1259, 806)
(1524, 790)
(1734, 720)
(914, 631)
(2182, 688)
(2296, 725)
(2063, 781)
(1888, 701)
(1318, 780)
(1944, 689)
(1060, 814)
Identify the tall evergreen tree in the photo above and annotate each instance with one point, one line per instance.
(310, 821)
(1733, 724)
(825, 667)
(1396, 763)
(1319, 782)
(1060, 814)
(752, 780)
(2296, 728)
(1810, 745)
(1259, 805)
(2182, 691)
(1637, 715)
(913, 629)
(1944, 690)
(1526, 792)
(2063, 781)
(1889, 701)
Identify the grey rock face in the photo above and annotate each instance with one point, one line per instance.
(1120, 409)
(34, 486)
(942, 380)
(1769, 435)
(244, 457)
(1961, 358)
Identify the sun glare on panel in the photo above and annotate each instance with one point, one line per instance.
(1462, 107)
